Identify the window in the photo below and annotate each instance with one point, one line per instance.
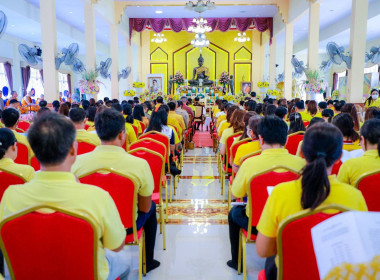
(35, 82)
(372, 69)
(62, 82)
(3, 77)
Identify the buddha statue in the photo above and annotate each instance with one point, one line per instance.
(200, 75)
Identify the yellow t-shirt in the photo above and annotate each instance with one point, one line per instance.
(221, 118)
(352, 169)
(91, 124)
(226, 133)
(351, 146)
(318, 115)
(24, 171)
(176, 137)
(174, 123)
(138, 125)
(215, 111)
(23, 140)
(131, 135)
(179, 118)
(375, 103)
(257, 164)
(88, 137)
(109, 156)
(192, 108)
(245, 149)
(223, 126)
(62, 190)
(306, 117)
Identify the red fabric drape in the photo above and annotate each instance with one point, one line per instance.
(335, 81)
(8, 74)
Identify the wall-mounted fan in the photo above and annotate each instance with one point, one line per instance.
(69, 57)
(337, 56)
(32, 55)
(78, 66)
(373, 55)
(104, 68)
(3, 23)
(298, 66)
(125, 73)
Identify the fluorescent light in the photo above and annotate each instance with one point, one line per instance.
(70, 12)
(158, 12)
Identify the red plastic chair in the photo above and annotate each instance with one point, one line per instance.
(150, 144)
(293, 141)
(19, 130)
(258, 195)
(7, 179)
(22, 154)
(336, 167)
(142, 126)
(157, 167)
(86, 126)
(35, 163)
(49, 246)
(306, 123)
(84, 147)
(123, 191)
(368, 184)
(23, 125)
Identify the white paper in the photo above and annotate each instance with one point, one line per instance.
(351, 237)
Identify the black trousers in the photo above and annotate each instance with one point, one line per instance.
(270, 268)
(148, 221)
(237, 219)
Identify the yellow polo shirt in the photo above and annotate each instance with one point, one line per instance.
(61, 189)
(88, 137)
(24, 171)
(91, 124)
(245, 149)
(306, 117)
(254, 165)
(375, 103)
(221, 118)
(318, 115)
(174, 123)
(226, 133)
(131, 135)
(176, 137)
(351, 146)
(179, 118)
(138, 125)
(23, 140)
(352, 169)
(223, 126)
(109, 156)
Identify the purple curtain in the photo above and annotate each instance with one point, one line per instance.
(158, 24)
(263, 24)
(42, 75)
(8, 74)
(25, 74)
(242, 24)
(69, 82)
(175, 24)
(335, 81)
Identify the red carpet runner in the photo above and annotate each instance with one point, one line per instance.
(202, 139)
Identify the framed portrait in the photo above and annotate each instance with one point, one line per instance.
(246, 87)
(155, 83)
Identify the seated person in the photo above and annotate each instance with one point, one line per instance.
(14, 95)
(10, 119)
(296, 123)
(127, 111)
(352, 169)
(78, 117)
(351, 139)
(250, 147)
(42, 103)
(131, 135)
(90, 115)
(176, 120)
(110, 128)
(229, 108)
(27, 102)
(327, 115)
(55, 185)
(321, 106)
(15, 105)
(322, 148)
(8, 153)
(236, 125)
(272, 137)
(300, 108)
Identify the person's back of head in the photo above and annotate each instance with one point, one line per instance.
(296, 123)
(64, 109)
(273, 131)
(10, 117)
(42, 111)
(55, 105)
(85, 104)
(7, 139)
(68, 104)
(237, 120)
(300, 105)
(117, 107)
(345, 123)
(42, 103)
(109, 103)
(281, 112)
(253, 94)
(328, 114)
(90, 114)
(171, 106)
(106, 99)
(370, 131)
(74, 106)
(322, 105)
(51, 138)
(314, 121)
(138, 112)
(351, 110)
(259, 108)
(230, 111)
(196, 99)
(77, 115)
(115, 101)
(160, 100)
(338, 105)
(312, 107)
(92, 102)
(179, 103)
(149, 105)
(270, 110)
(247, 116)
(251, 105)
(158, 119)
(372, 113)
(127, 111)
(322, 147)
(109, 123)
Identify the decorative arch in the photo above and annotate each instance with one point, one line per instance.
(243, 54)
(158, 55)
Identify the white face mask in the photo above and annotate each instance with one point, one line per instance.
(375, 96)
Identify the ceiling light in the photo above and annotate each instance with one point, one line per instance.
(158, 38)
(70, 12)
(13, 25)
(241, 38)
(158, 12)
(200, 6)
(200, 41)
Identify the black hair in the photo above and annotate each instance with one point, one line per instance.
(171, 106)
(7, 139)
(138, 113)
(270, 110)
(296, 123)
(253, 94)
(281, 112)
(157, 120)
(109, 123)
(10, 117)
(77, 115)
(127, 111)
(370, 99)
(51, 138)
(90, 114)
(43, 110)
(322, 147)
(345, 123)
(322, 105)
(160, 100)
(179, 103)
(330, 102)
(273, 130)
(338, 105)
(371, 132)
(68, 104)
(259, 108)
(42, 103)
(85, 104)
(314, 121)
(149, 105)
(106, 99)
(117, 107)
(109, 103)
(55, 105)
(76, 106)
(13, 101)
(328, 113)
(251, 105)
(196, 99)
(115, 101)
(300, 104)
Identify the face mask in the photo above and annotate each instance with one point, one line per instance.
(375, 96)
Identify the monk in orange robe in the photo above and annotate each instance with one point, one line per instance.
(27, 102)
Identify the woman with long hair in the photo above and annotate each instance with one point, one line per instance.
(322, 147)
(372, 113)
(345, 123)
(128, 114)
(350, 109)
(373, 100)
(312, 108)
(64, 110)
(296, 123)
(236, 124)
(138, 114)
(247, 116)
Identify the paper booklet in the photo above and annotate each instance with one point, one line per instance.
(351, 237)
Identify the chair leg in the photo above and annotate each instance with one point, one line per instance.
(144, 254)
(163, 227)
(223, 188)
(244, 243)
(239, 253)
(140, 258)
(229, 197)
(171, 189)
(174, 184)
(167, 203)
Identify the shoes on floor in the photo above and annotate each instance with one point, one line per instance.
(153, 265)
(233, 265)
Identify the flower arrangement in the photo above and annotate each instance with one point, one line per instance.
(129, 93)
(138, 85)
(184, 88)
(313, 83)
(89, 83)
(224, 78)
(178, 78)
(216, 88)
(335, 94)
(273, 92)
(262, 84)
(229, 97)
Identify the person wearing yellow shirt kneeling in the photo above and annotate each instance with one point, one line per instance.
(78, 117)
(354, 168)
(272, 136)
(8, 153)
(322, 147)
